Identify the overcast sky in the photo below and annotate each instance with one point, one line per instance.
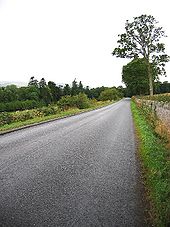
(65, 39)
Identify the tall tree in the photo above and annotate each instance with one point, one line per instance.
(66, 90)
(53, 90)
(59, 92)
(142, 39)
(45, 92)
(33, 82)
(80, 87)
(74, 89)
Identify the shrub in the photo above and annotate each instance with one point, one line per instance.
(80, 101)
(160, 98)
(2, 107)
(109, 94)
(65, 102)
(19, 105)
(5, 118)
(48, 110)
(23, 116)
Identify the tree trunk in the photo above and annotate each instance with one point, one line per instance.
(150, 78)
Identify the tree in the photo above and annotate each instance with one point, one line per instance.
(95, 92)
(161, 88)
(109, 94)
(142, 38)
(134, 77)
(10, 93)
(53, 89)
(122, 91)
(80, 87)
(59, 92)
(28, 93)
(33, 82)
(74, 89)
(165, 87)
(45, 93)
(66, 90)
(87, 92)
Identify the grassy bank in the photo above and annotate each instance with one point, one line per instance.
(156, 169)
(60, 114)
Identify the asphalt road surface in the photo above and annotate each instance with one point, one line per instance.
(77, 171)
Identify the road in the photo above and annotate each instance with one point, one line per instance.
(78, 171)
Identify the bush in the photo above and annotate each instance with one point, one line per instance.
(80, 101)
(160, 98)
(19, 105)
(2, 107)
(23, 115)
(5, 118)
(65, 102)
(109, 94)
(48, 110)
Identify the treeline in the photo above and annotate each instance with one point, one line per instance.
(142, 88)
(161, 88)
(40, 93)
(135, 77)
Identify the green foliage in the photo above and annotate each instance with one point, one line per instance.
(70, 105)
(109, 94)
(5, 118)
(56, 91)
(8, 94)
(80, 87)
(37, 116)
(162, 87)
(165, 98)
(134, 75)
(23, 115)
(74, 89)
(20, 116)
(142, 38)
(38, 94)
(65, 102)
(80, 101)
(154, 156)
(50, 110)
(19, 105)
(33, 82)
(45, 92)
(66, 90)
(28, 93)
(94, 92)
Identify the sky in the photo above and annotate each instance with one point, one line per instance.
(65, 39)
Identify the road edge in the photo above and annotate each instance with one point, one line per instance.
(51, 120)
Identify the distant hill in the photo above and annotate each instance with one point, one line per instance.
(17, 83)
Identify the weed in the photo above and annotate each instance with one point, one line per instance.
(154, 158)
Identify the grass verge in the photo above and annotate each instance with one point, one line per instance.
(156, 169)
(69, 112)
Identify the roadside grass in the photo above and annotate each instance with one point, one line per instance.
(155, 163)
(69, 112)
